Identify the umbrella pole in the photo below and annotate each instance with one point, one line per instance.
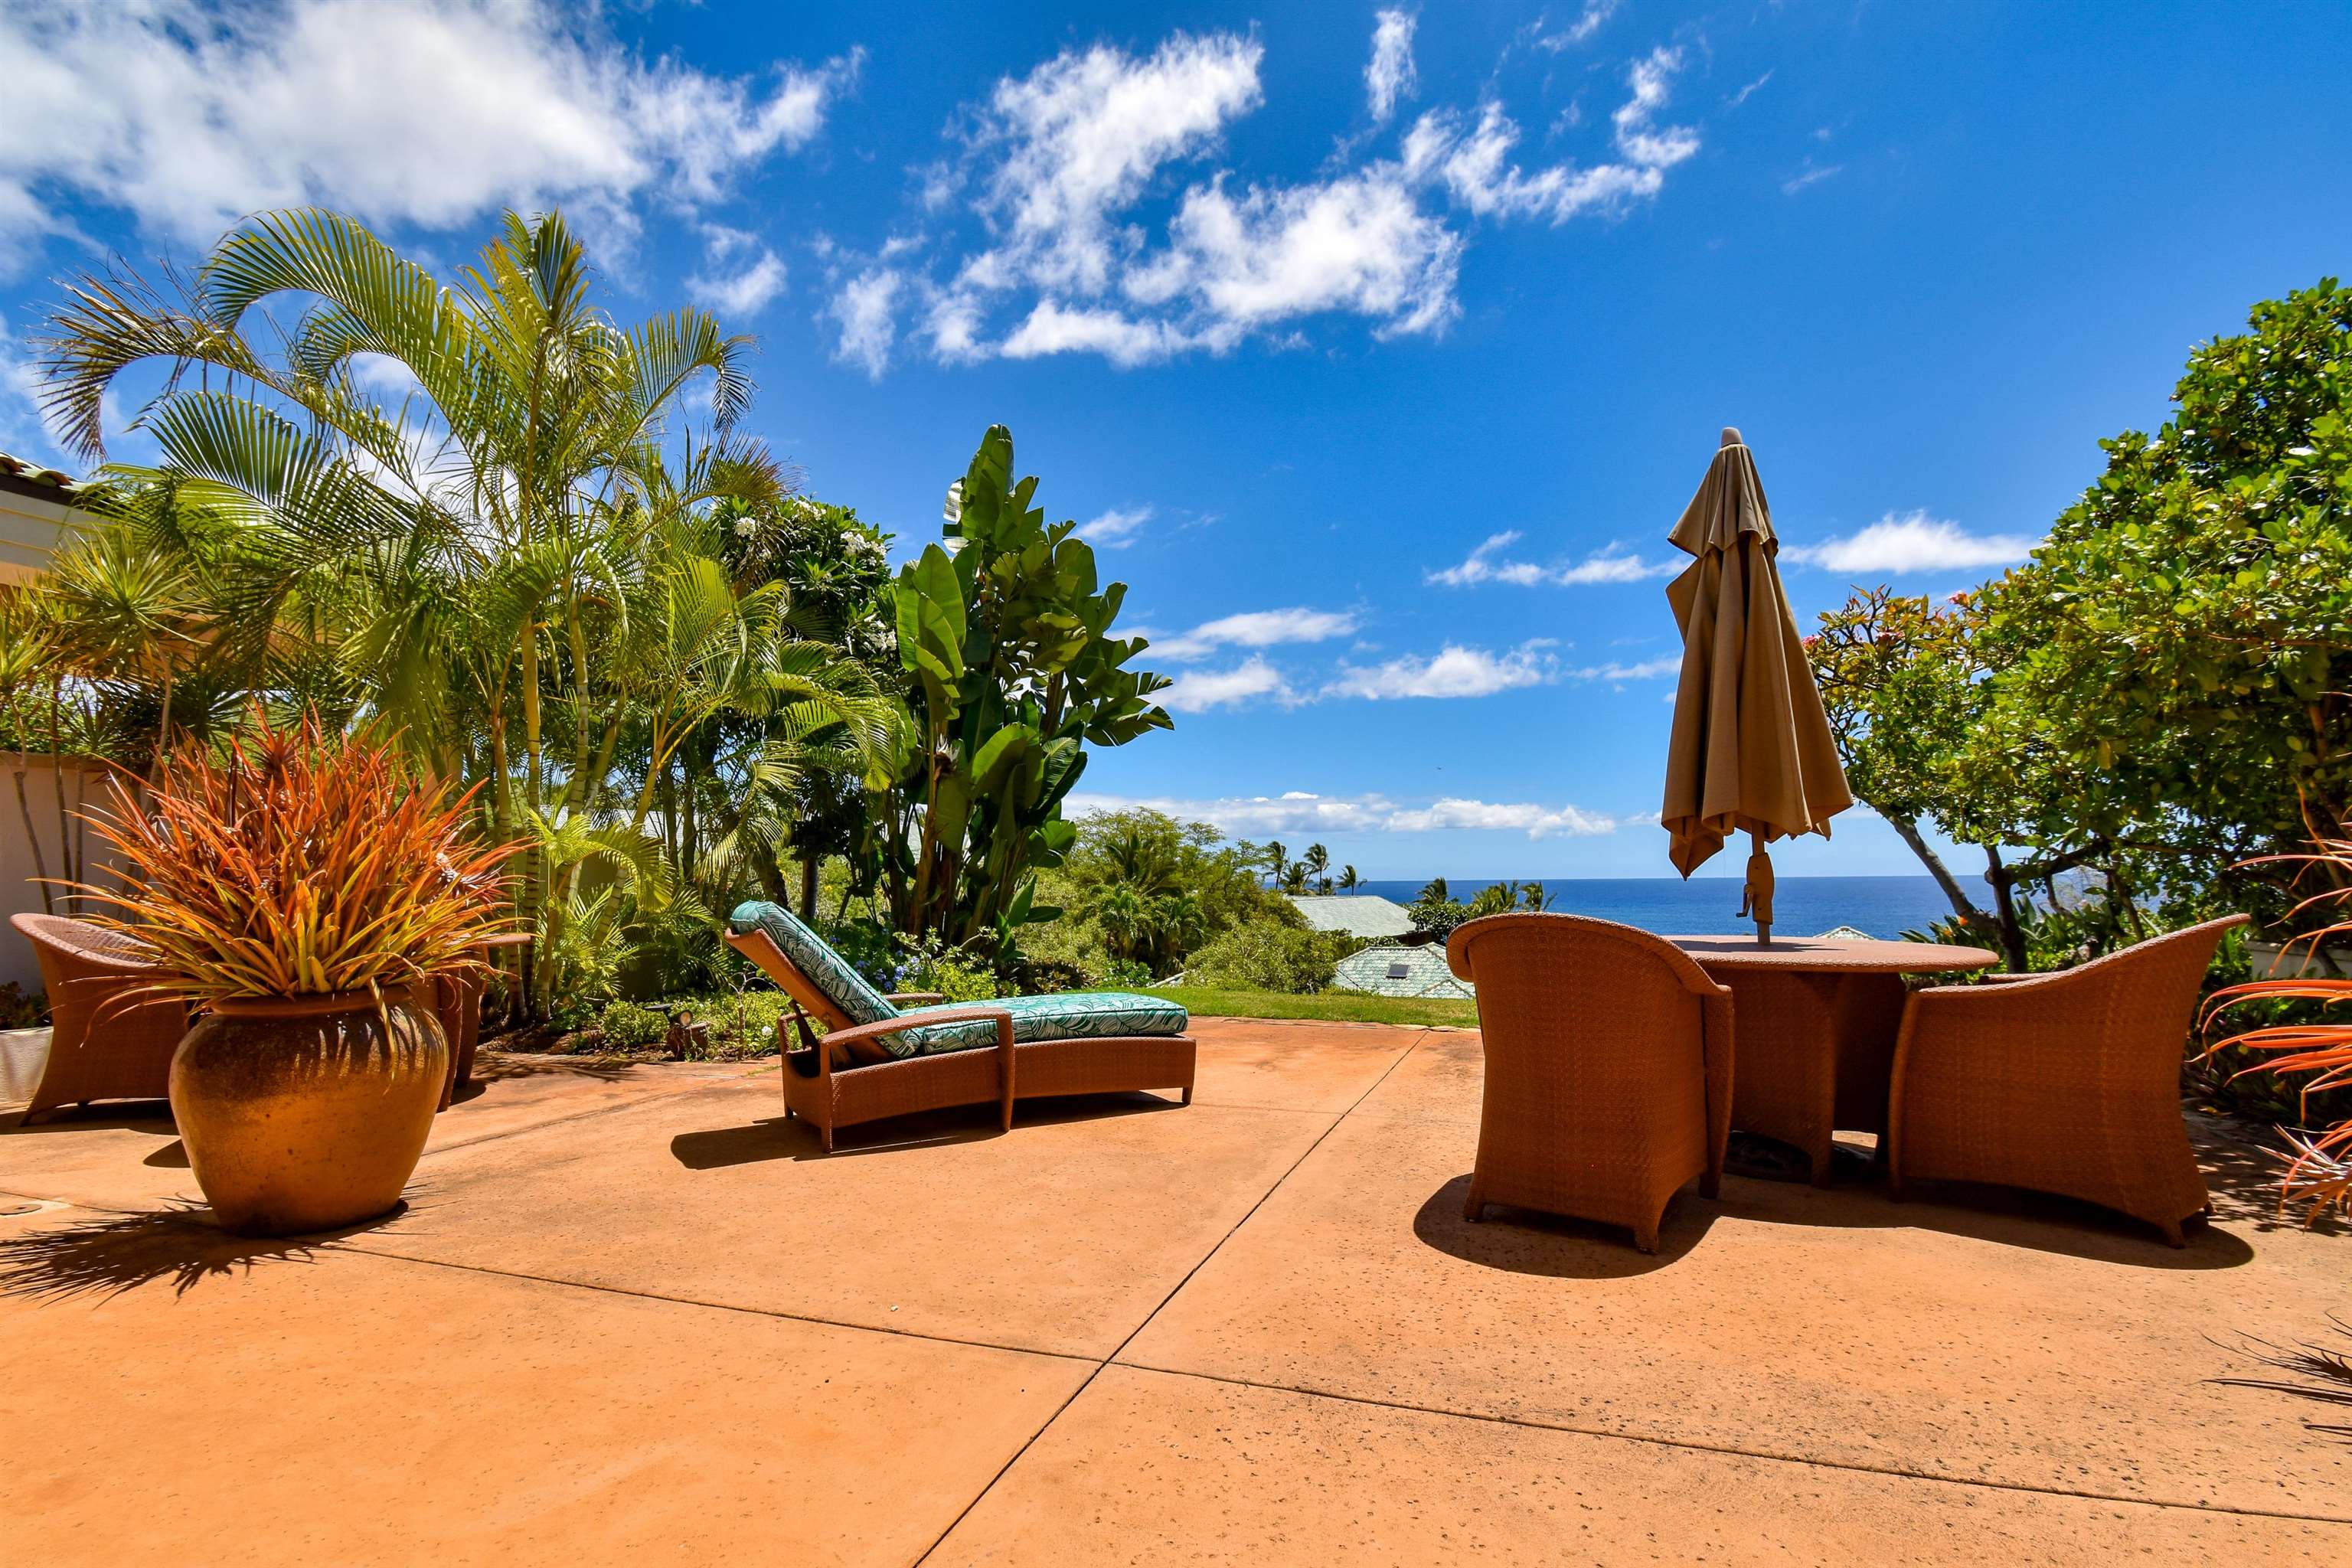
(1755, 898)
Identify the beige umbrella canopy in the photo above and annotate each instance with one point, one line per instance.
(1751, 749)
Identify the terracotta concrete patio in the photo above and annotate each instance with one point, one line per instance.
(631, 1315)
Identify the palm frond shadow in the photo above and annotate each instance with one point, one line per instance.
(110, 1255)
(2315, 1371)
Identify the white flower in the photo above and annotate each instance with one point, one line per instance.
(745, 527)
(954, 511)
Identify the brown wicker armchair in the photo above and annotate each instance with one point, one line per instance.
(1608, 1069)
(109, 1037)
(2065, 1083)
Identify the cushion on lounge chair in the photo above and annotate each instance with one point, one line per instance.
(1068, 1016)
(825, 969)
(1064, 1015)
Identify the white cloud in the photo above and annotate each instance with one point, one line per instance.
(1116, 528)
(862, 310)
(1062, 156)
(21, 431)
(1055, 328)
(740, 275)
(1520, 816)
(1596, 14)
(1744, 93)
(1357, 243)
(1912, 542)
(1648, 669)
(1197, 690)
(1811, 174)
(1454, 671)
(1303, 812)
(1611, 563)
(1257, 628)
(1390, 74)
(1085, 131)
(1474, 167)
(426, 111)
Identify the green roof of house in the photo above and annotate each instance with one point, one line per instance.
(1393, 968)
(1358, 914)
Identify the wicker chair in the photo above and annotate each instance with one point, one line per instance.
(876, 1061)
(109, 1037)
(1608, 1070)
(2066, 1083)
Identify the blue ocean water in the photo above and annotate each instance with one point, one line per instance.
(1803, 906)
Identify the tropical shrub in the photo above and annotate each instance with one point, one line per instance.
(630, 1027)
(297, 865)
(18, 1011)
(957, 976)
(1268, 955)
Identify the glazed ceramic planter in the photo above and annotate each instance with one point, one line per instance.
(307, 1113)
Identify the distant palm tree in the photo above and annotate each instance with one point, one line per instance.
(1278, 861)
(1349, 880)
(1533, 897)
(1434, 891)
(1317, 862)
(1294, 878)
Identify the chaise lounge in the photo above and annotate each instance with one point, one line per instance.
(877, 1060)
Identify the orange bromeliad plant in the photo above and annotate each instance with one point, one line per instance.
(2320, 1174)
(300, 865)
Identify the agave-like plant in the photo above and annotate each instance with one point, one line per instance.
(297, 864)
(2319, 1171)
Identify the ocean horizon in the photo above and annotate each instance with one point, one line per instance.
(1803, 906)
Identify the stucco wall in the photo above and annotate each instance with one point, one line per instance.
(20, 866)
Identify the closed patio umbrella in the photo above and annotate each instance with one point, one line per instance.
(1751, 749)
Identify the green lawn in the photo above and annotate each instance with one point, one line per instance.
(1336, 1006)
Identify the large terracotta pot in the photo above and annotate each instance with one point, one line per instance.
(307, 1113)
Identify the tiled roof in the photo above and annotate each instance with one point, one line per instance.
(1392, 969)
(32, 479)
(1358, 914)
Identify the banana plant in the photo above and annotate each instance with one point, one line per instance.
(1012, 672)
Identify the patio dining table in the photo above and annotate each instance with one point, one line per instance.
(1814, 1026)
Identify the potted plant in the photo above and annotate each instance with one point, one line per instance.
(304, 891)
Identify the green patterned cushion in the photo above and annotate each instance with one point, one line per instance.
(826, 970)
(1068, 1016)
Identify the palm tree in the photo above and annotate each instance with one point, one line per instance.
(1433, 891)
(1533, 897)
(1316, 861)
(1277, 862)
(1349, 880)
(478, 562)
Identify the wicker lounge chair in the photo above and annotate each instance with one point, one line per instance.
(1608, 1070)
(877, 1060)
(2065, 1083)
(109, 1037)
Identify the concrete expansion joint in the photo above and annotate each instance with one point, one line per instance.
(1893, 1472)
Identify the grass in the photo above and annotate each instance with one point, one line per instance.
(1331, 1006)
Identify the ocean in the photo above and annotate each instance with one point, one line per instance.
(1803, 906)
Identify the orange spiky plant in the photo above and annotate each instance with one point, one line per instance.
(2319, 1175)
(300, 864)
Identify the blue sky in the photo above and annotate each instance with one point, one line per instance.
(1377, 348)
